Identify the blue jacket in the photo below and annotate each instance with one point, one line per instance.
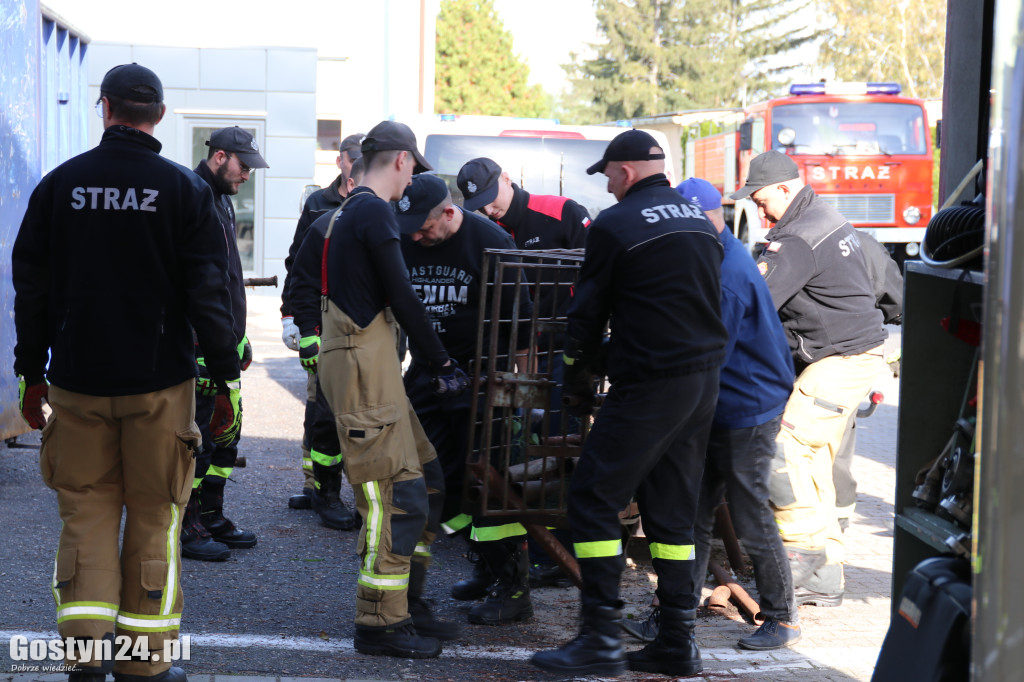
(757, 376)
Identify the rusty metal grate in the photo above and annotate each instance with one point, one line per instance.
(523, 444)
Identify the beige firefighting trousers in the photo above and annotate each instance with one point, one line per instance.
(802, 494)
(102, 454)
(384, 448)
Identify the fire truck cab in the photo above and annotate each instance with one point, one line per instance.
(862, 147)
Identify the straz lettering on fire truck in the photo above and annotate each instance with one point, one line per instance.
(825, 173)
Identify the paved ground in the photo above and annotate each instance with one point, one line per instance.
(283, 610)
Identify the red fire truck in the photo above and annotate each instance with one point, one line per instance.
(862, 147)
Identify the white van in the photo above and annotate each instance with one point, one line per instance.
(539, 155)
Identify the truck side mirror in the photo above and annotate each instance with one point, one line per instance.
(746, 136)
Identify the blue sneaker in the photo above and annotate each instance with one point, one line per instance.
(772, 634)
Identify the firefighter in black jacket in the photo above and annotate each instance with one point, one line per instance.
(206, 534)
(320, 438)
(652, 267)
(119, 258)
(815, 269)
(536, 222)
(319, 203)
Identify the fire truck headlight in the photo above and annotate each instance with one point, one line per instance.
(912, 215)
(913, 249)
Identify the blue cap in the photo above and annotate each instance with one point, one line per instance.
(700, 192)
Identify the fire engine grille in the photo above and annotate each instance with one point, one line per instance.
(864, 208)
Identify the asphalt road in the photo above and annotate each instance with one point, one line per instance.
(285, 607)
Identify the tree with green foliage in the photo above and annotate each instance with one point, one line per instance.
(887, 40)
(476, 71)
(660, 56)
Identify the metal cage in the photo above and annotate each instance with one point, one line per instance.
(523, 444)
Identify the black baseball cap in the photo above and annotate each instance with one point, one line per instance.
(240, 143)
(420, 198)
(134, 83)
(478, 181)
(767, 169)
(351, 145)
(392, 135)
(632, 145)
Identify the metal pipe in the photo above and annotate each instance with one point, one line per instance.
(548, 542)
(739, 595)
(723, 526)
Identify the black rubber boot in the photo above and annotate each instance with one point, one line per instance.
(674, 651)
(196, 541)
(597, 650)
(508, 600)
(401, 641)
(92, 673)
(475, 586)
(172, 674)
(211, 503)
(422, 617)
(327, 500)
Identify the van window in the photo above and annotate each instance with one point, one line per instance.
(540, 165)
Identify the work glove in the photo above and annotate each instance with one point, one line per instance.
(291, 334)
(309, 353)
(226, 421)
(244, 353)
(30, 402)
(577, 387)
(449, 381)
(205, 386)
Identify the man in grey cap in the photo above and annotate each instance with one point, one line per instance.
(206, 534)
(818, 277)
(119, 260)
(320, 202)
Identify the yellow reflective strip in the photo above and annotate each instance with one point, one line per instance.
(378, 581)
(598, 549)
(147, 623)
(672, 552)
(373, 523)
(324, 459)
(456, 523)
(223, 472)
(173, 537)
(492, 533)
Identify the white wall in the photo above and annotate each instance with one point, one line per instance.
(271, 89)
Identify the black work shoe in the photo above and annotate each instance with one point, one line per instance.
(428, 626)
(674, 651)
(302, 500)
(332, 511)
(204, 549)
(223, 530)
(772, 634)
(803, 596)
(646, 630)
(548, 575)
(401, 641)
(170, 675)
(505, 603)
